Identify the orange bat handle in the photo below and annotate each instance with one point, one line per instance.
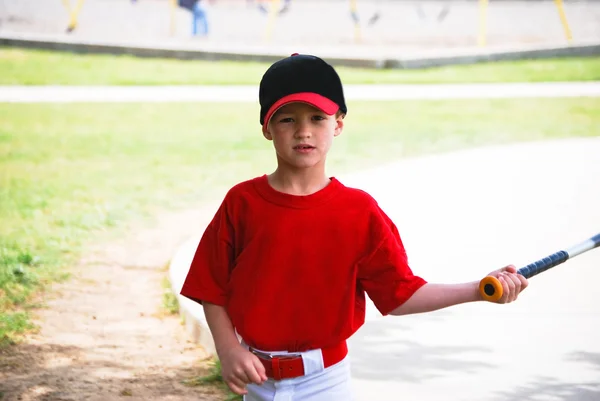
(490, 289)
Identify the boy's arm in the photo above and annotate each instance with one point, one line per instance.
(220, 327)
(238, 366)
(432, 297)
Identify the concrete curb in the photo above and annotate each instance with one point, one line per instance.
(162, 50)
(471, 56)
(191, 312)
(167, 49)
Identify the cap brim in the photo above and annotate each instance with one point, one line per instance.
(322, 103)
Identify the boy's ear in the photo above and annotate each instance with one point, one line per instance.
(339, 125)
(266, 133)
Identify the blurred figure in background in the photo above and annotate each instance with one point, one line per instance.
(200, 19)
(199, 15)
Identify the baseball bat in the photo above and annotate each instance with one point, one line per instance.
(490, 287)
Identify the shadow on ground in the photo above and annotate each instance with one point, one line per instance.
(25, 375)
(380, 351)
(550, 388)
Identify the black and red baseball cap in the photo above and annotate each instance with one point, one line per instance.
(300, 78)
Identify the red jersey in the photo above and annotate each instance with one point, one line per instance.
(292, 271)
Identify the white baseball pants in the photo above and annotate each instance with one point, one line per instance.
(318, 383)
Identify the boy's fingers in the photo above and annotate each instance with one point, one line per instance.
(517, 279)
(523, 280)
(260, 370)
(241, 375)
(511, 288)
(505, 289)
(513, 284)
(237, 386)
(510, 269)
(253, 374)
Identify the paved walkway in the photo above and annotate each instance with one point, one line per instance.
(60, 94)
(462, 215)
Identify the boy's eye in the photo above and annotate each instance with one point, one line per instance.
(316, 117)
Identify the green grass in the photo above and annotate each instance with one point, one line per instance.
(38, 67)
(214, 377)
(169, 304)
(69, 173)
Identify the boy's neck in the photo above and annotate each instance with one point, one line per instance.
(302, 182)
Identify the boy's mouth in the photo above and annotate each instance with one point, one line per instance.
(303, 147)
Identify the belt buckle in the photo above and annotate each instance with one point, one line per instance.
(267, 356)
(262, 355)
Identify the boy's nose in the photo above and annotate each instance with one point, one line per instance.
(303, 130)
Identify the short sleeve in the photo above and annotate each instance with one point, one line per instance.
(385, 275)
(208, 277)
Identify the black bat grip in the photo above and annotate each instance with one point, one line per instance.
(544, 264)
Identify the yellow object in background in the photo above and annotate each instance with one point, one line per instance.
(273, 11)
(483, 5)
(563, 19)
(356, 19)
(73, 13)
(173, 8)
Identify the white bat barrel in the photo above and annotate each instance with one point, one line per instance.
(584, 246)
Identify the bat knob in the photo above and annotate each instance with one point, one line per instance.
(490, 289)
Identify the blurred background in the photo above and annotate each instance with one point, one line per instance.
(109, 162)
(391, 25)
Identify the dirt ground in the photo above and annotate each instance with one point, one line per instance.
(104, 334)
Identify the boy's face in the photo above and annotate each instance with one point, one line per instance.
(302, 134)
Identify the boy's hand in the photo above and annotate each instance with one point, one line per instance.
(512, 283)
(240, 367)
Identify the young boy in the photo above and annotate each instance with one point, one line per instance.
(287, 259)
